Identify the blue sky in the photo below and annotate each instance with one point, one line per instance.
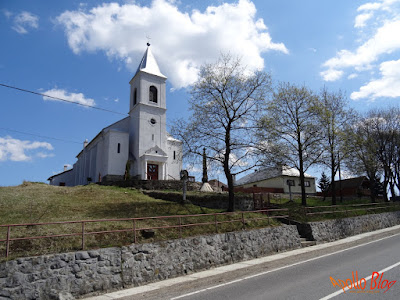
(87, 52)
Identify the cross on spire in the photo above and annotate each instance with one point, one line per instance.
(148, 40)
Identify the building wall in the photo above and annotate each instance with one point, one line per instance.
(143, 134)
(136, 134)
(281, 182)
(66, 178)
(174, 164)
(117, 161)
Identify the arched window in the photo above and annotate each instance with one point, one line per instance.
(153, 94)
(135, 96)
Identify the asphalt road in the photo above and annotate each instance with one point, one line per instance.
(311, 280)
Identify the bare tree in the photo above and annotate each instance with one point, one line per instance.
(386, 126)
(362, 149)
(225, 101)
(334, 117)
(290, 131)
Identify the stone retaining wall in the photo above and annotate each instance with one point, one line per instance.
(69, 275)
(338, 229)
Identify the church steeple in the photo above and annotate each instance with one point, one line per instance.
(149, 65)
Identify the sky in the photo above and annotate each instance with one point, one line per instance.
(87, 52)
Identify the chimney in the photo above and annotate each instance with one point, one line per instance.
(65, 168)
(85, 143)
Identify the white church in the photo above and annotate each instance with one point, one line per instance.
(140, 140)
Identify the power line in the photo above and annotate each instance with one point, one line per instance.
(42, 136)
(61, 99)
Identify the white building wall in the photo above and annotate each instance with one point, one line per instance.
(174, 163)
(117, 161)
(143, 134)
(136, 135)
(66, 178)
(281, 182)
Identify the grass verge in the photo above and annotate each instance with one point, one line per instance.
(41, 203)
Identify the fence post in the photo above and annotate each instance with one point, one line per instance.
(8, 241)
(83, 235)
(216, 223)
(243, 220)
(180, 227)
(134, 231)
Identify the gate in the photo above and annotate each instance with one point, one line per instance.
(263, 200)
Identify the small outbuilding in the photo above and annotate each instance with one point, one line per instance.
(276, 180)
(352, 187)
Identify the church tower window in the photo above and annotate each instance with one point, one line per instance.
(153, 94)
(119, 148)
(135, 96)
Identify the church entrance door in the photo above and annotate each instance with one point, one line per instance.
(152, 172)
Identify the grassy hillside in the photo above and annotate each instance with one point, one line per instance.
(38, 202)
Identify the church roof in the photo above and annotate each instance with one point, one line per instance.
(148, 64)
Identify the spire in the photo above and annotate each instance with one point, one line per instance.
(205, 177)
(149, 64)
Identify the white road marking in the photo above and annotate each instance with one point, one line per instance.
(281, 268)
(367, 278)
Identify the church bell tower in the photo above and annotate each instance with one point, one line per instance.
(147, 112)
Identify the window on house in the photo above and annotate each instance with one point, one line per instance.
(135, 96)
(119, 148)
(153, 94)
(307, 183)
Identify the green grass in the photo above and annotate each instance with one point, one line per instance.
(41, 203)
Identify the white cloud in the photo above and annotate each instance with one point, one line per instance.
(25, 20)
(352, 76)
(370, 6)
(182, 41)
(44, 154)
(7, 13)
(15, 150)
(379, 47)
(331, 74)
(387, 86)
(362, 19)
(386, 40)
(73, 97)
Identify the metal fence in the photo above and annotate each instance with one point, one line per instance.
(346, 209)
(180, 220)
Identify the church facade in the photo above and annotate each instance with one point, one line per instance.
(138, 143)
